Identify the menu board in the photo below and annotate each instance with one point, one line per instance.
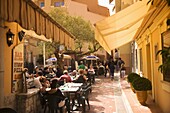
(18, 64)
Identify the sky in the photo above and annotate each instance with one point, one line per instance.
(105, 3)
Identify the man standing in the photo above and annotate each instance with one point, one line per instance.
(111, 66)
(120, 63)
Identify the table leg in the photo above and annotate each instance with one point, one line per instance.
(68, 102)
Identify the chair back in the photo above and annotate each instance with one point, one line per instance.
(86, 91)
(43, 99)
(52, 101)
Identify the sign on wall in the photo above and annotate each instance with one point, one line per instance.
(18, 64)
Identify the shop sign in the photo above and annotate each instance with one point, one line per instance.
(18, 64)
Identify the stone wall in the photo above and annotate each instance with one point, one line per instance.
(28, 102)
(10, 101)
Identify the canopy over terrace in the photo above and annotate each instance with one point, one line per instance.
(29, 16)
(121, 27)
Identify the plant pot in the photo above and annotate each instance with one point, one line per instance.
(132, 87)
(141, 96)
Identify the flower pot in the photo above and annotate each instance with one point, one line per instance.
(141, 96)
(132, 87)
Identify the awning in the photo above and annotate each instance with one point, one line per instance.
(29, 16)
(121, 27)
(31, 33)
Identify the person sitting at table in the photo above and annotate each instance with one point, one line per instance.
(51, 70)
(36, 69)
(73, 74)
(58, 71)
(65, 77)
(81, 66)
(37, 77)
(55, 91)
(46, 71)
(45, 84)
(91, 69)
(81, 78)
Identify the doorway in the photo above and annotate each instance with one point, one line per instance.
(148, 63)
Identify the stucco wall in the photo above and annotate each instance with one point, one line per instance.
(152, 36)
(126, 56)
(83, 12)
(2, 42)
(7, 98)
(8, 59)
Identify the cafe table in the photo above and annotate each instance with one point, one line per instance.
(70, 88)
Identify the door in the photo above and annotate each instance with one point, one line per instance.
(148, 64)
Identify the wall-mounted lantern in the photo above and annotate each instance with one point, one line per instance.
(21, 35)
(9, 37)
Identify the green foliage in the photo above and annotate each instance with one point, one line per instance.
(152, 2)
(166, 60)
(132, 76)
(80, 28)
(142, 84)
(76, 25)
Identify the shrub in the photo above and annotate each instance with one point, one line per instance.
(142, 84)
(132, 76)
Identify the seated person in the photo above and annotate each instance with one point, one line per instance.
(91, 69)
(101, 69)
(45, 84)
(37, 77)
(81, 78)
(46, 71)
(73, 74)
(56, 92)
(65, 77)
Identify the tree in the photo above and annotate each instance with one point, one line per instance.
(152, 2)
(81, 29)
(54, 48)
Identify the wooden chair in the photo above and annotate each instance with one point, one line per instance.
(43, 101)
(53, 105)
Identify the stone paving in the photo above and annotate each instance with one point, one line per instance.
(116, 97)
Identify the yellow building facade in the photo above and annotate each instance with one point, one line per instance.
(27, 17)
(149, 41)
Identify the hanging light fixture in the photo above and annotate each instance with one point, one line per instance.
(9, 37)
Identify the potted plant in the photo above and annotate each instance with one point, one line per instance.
(141, 86)
(131, 77)
(164, 67)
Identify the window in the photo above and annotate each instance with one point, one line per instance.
(156, 50)
(58, 4)
(42, 4)
(166, 58)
